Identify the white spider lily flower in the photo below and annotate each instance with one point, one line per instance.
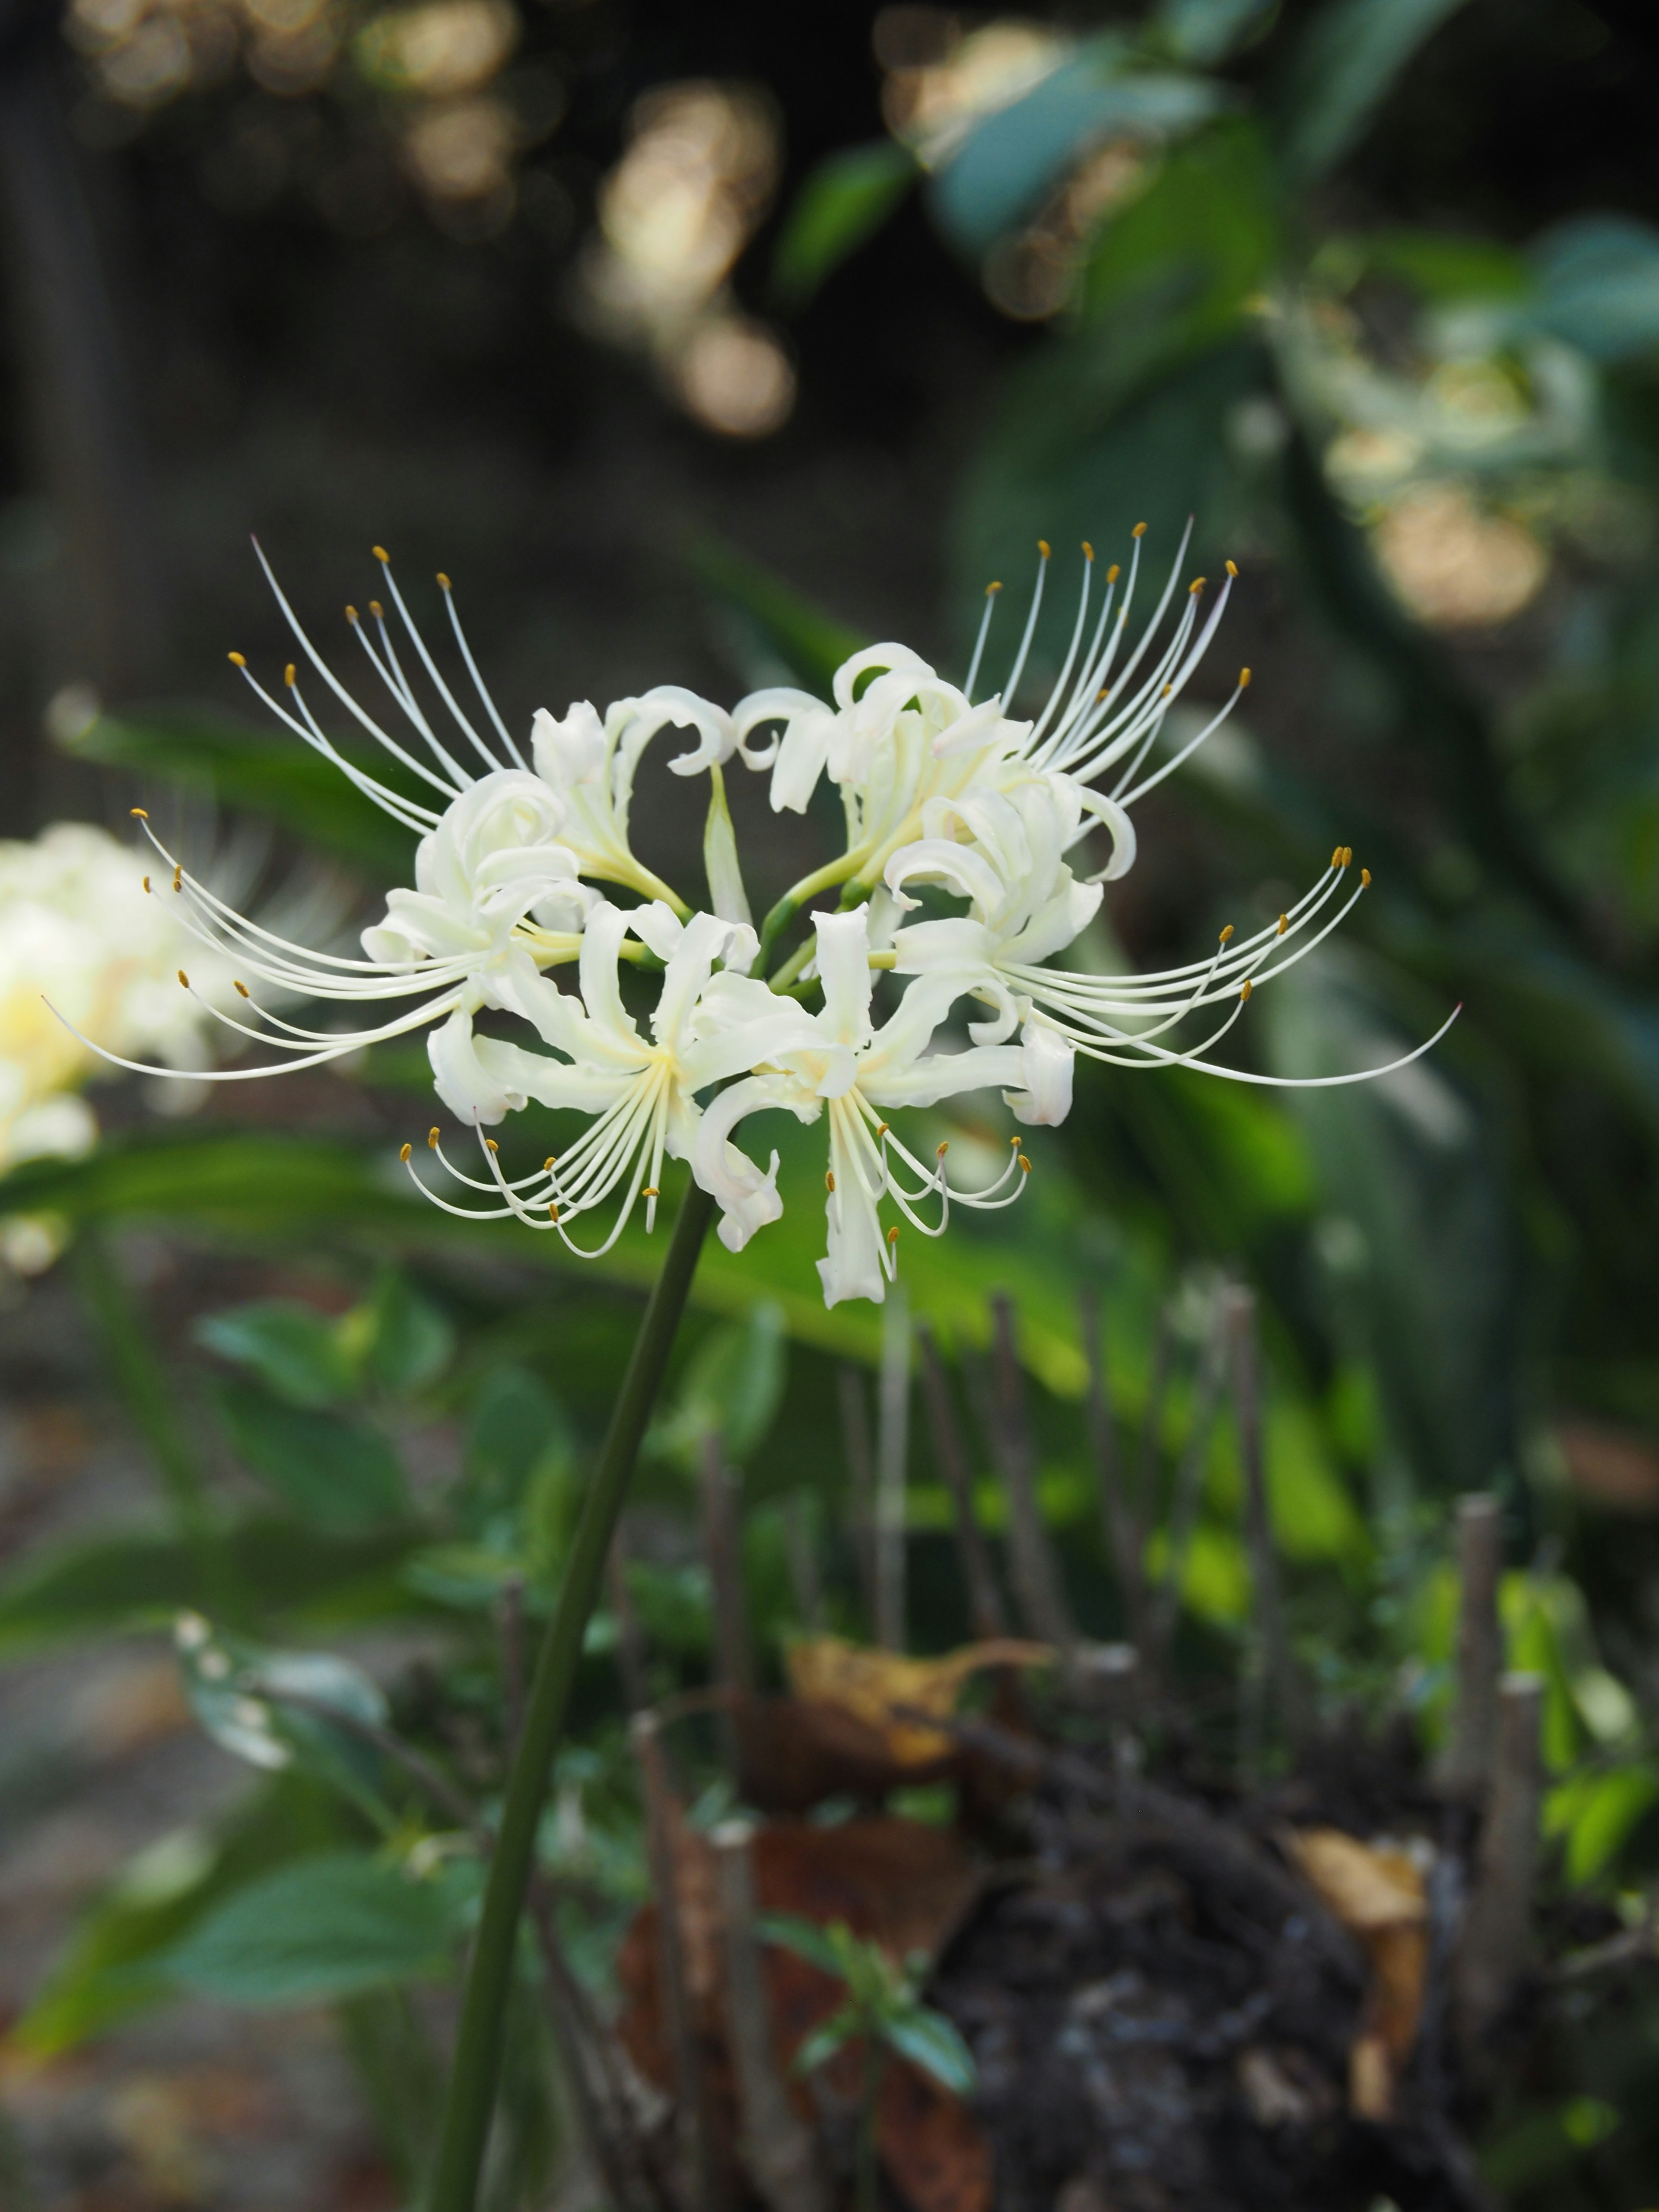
(898, 737)
(853, 1070)
(590, 764)
(640, 1089)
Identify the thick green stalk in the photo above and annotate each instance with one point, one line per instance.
(473, 2081)
(136, 1369)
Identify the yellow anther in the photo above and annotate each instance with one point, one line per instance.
(651, 1191)
(1364, 880)
(379, 553)
(403, 1152)
(1245, 989)
(1243, 679)
(1104, 692)
(138, 814)
(443, 581)
(552, 1212)
(1113, 573)
(377, 610)
(1014, 1143)
(146, 883)
(179, 876)
(547, 1165)
(351, 614)
(1336, 858)
(881, 1127)
(1088, 551)
(432, 1140)
(1025, 1164)
(1042, 547)
(829, 1180)
(990, 588)
(942, 1150)
(1347, 856)
(893, 1234)
(1284, 923)
(1140, 530)
(238, 660)
(1226, 932)
(1195, 587)
(184, 979)
(240, 986)
(1232, 568)
(290, 676)
(493, 1145)
(1165, 692)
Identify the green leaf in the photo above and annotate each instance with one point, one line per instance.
(931, 2041)
(1441, 265)
(1598, 1814)
(271, 773)
(1202, 240)
(1008, 161)
(340, 1474)
(806, 1939)
(410, 1341)
(323, 1927)
(139, 1577)
(1599, 287)
(825, 2040)
(1205, 32)
(733, 1388)
(844, 201)
(517, 1423)
(293, 1349)
(1342, 70)
(108, 1970)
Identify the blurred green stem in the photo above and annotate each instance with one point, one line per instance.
(136, 1367)
(473, 2081)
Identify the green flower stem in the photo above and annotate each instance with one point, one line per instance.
(136, 1369)
(823, 879)
(471, 2097)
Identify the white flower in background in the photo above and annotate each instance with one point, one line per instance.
(944, 796)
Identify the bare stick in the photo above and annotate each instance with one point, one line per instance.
(1143, 1500)
(734, 1667)
(1037, 1582)
(1465, 1762)
(690, 2119)
(985, 1606)
(1498, 1932)
(861, 1483)
(892, 1461)
(1189, 1492)
(804, 1581)
(512, 1627)
(778, 2148)
(1274, 1670)
(1117, 1521)
(630, 1634)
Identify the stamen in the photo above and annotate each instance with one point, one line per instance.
(290, 676)
(443, 581)
(240, 986)
(138, 814)
(650, 1191)
(1197, 585)
(1226, 934)
(829, 1180)
(1088, 551)
(1140, 530)
(351, 615)
(184, 979)
(1232, 568)
(1243, 679)
(1245, 989)
(432, 1140)
(380, 554)
(1113, 573)
(1025, 1164)
(179, 876)
(404, 1152)
(146, 883)
(493, 1145)
(237, 659)
(1365, 879)
(1284, 923)
(1336, 858)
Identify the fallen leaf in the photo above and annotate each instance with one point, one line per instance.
(1379, 1895)
(875, 1687)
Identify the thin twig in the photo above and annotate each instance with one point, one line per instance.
(985, 1606)
(1189, 1492)
(1466, 1762)
(630, 1632)
(861, 1483)
(804, 1581)
(734, 1669)
(660, 1816)
(1117, 1521)
(892, 1463)
(778, 2148)
(1274, 1669)
(1497, 1933)
(512, 1628)
(1037, 1582)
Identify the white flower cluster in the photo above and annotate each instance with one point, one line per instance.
(992, 813)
